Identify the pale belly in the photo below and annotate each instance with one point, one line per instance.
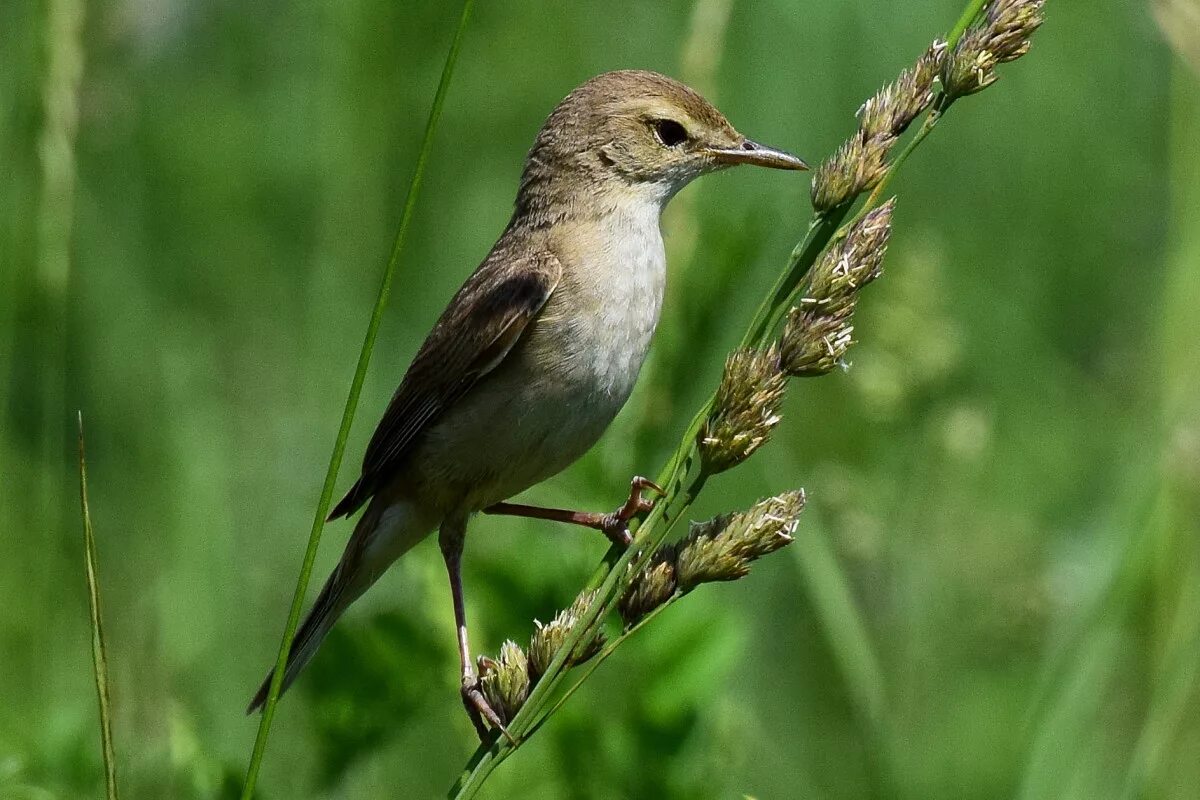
(551, 398)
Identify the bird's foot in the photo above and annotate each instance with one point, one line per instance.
(616, 525)
(480, 710)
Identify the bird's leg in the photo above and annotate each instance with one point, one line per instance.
(451, 538)
(614, 525)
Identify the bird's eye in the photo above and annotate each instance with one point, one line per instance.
(669, 132)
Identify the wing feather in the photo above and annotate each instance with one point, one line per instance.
(478, 329)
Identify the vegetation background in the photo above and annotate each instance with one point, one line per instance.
(995, 591)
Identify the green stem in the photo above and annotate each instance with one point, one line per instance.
(968, 16)
(682, 478)
(927, 127)
(99, 651)
(820, 232)
(485, 760)
(339, 447)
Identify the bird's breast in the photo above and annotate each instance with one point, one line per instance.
(615, 288)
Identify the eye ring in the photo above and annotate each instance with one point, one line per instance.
(668, 132)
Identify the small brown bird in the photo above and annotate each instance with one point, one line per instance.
(540, 348)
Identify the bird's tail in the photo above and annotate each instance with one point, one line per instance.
(381, 536)
(330, 604)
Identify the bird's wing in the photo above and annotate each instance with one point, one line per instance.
(472, 337)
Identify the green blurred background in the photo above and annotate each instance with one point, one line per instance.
(994, 593)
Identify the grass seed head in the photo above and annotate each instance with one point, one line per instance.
(650, 588)
(505, 682)
(857, 166)
(705, 556)
(1001, 35)
(723, 548)
(861, 162)
(814, 343)
(548, 638)
(746, 408)
(767, 526)
(819, 330)
(895, 106)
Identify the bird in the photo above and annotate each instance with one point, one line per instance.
(540, 347)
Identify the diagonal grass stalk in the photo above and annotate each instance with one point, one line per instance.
(683, 478)
(970, 13)
(360, 372)
(99, 651)
(830, 591)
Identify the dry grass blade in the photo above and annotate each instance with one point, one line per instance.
(99, 655)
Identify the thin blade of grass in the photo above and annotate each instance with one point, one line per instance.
(339, 448)
(99, 653)
(1151, 598)
(1160, 758)
(831, 593)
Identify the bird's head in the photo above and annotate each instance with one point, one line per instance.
(643, 132)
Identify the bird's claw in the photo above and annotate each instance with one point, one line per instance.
(480, 710)
(616, 525)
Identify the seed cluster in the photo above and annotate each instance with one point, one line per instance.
(746, 408)
(548, 638)
(506, 681)
(721, 549)
(897, 105)
(1001, 35)
(820, 329)
(861, 162)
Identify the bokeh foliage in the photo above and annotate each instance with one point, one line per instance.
(993, 592)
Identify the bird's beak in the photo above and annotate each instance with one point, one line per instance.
(751, 152)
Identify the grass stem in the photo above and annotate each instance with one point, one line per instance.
(968, 16)
(339, 448)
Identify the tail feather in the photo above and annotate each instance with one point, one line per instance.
(384, 533)
(330, 604)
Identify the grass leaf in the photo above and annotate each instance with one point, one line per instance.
(360, 373)
(99, 654)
